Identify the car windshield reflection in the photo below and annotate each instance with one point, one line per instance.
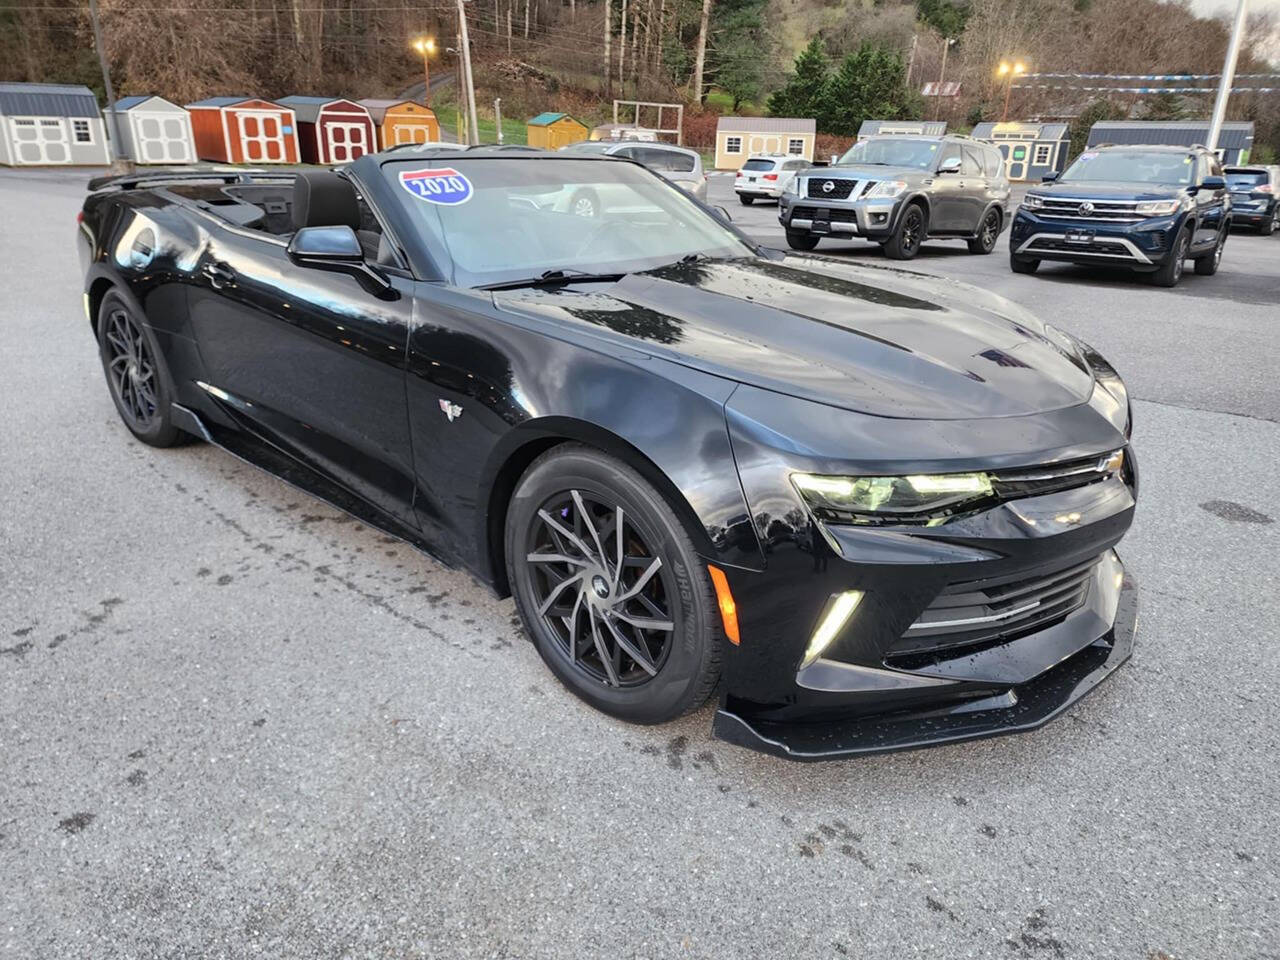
(1133, 166)
(493, 220)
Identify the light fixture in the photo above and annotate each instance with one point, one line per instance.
(839, 609)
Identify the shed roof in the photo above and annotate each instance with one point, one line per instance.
(47, 100)
(766, 125)
(220, 101)
(130, 103)
(1028, 129)
(306, 108)
(919, 128)
(546, 119)
(1236, 134)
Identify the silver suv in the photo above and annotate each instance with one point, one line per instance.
(899, 191)
(682, 167)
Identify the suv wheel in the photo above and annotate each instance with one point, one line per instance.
(1023, 264)
(745, 200)
(906, 240)
(1170, 271)
(1272, 225)
(1207, 265)
(988, 232)
(801, 241)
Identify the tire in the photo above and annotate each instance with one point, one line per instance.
(564, 486)
(585, 203)
(137, 377)
(988, 233)
(1272, 225)
(801, 241)
(1023, 264)
(911, 231)
(1207, 265)
(745, 200)
(1170, 271)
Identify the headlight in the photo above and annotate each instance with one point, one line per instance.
(928, 498)
(1158, 208)
(887, 188)
(1033, 201)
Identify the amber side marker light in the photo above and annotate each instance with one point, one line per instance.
(728, 609)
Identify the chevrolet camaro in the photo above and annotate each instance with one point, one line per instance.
(864, 509)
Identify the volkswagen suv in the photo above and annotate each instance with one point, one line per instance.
(1146, 208)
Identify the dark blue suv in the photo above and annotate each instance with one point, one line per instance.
(1147, 208)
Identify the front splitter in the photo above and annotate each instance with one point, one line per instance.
(1029, 706)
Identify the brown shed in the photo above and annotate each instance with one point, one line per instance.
(402, 121)
(244, 130)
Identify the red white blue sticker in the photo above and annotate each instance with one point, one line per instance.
(437, 185)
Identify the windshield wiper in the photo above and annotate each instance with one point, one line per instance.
(553, 278)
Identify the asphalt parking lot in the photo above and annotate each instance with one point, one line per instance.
(234, 722)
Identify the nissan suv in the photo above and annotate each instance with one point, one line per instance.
(1255, 197)
(900, 191)
(1148, 208)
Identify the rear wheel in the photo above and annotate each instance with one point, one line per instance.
(745, 200)
(1170, 271)
(906, 240)
(988, 232)
(1207, 265)
(609, 586)
(585, 203)
(136, 376)
(1272, 225)
(801, 241)
(1023, 264)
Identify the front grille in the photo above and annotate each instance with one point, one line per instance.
(840, 189)
(1103, 248)
(985, 612)
(816, 213)
(1109, 211)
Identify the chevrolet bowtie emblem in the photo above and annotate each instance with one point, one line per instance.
(450, 410)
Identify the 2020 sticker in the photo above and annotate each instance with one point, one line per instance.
(443, 185)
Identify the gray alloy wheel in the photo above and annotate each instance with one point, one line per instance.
(610, 588)
(1170, 271)
(136, 376)
(988, 233)
(911, 232)
(585, 204)
(1272, 225)
(1207, 265)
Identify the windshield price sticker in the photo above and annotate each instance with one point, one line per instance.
(437, 185)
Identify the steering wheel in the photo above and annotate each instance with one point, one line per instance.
(619, 238)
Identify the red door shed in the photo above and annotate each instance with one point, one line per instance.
(332, 131)
(244, 130)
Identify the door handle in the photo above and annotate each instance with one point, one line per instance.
(220, 275)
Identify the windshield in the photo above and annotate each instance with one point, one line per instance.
(498, 219)
(893, 152)
(1133, 166)
(758, 165)
(1246, 179)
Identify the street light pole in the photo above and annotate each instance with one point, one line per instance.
(119, 163)
(1016, 70)
(1228, 77)
(426, 46)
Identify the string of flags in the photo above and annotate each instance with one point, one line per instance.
(1147, 76)
(1059, 86)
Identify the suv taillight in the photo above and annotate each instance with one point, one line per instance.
(770, 176)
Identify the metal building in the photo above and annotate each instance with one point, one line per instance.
(1234, 143)
(153, 130)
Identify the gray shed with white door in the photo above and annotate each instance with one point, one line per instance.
(45, 124)
(1234, 142)
(154, 130)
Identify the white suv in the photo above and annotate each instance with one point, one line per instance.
(765, 176)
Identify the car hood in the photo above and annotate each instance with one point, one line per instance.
(880, 341)
(1115, 190)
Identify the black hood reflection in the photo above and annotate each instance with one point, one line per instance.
(882, 342)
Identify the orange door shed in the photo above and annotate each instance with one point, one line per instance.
(244, 130)
(402, 121)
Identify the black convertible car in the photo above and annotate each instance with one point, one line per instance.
(869, 510)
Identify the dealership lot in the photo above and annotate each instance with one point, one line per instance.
(233, 721)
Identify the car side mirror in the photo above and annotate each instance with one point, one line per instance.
(1213, 183)
(1050, 177)
(950, 166)
(338, 249)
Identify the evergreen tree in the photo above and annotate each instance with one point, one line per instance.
(870, 84)
(804, 93)
(738, 48)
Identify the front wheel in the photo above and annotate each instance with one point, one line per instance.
(1207, 265)
(609, 586)
(801, 241)
(906, 240)
(988, 232)
(136, 375)
(745, 200)
(1170, 271)
(1023, 264)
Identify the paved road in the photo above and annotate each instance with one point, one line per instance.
(234, 723)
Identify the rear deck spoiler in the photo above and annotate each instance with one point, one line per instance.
(131, 181)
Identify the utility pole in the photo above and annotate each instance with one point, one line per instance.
(1228, 76)
(700, 61)
(937, 101)
(608, 53)
(119, 163)
(911, 59)
(473, 133)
